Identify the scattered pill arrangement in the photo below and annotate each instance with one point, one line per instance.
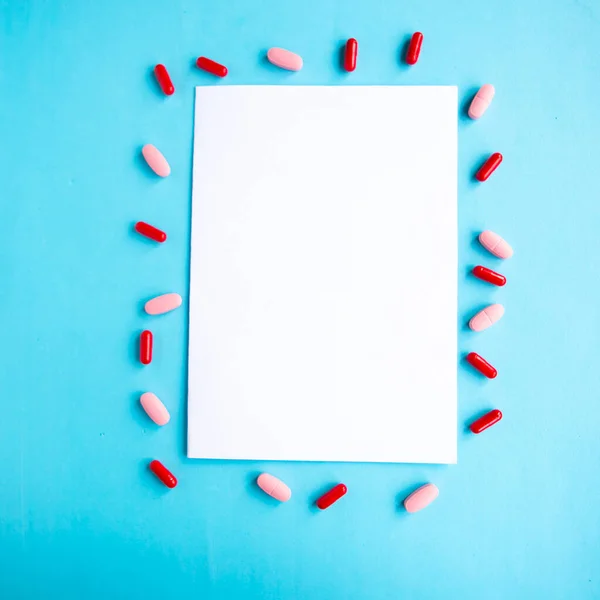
(290, 61)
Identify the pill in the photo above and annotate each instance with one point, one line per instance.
(333, 495)
(489, 166)
(156, 161)
(351, 55)
(163, 304)
(414, 48)
(164, 80)
(483, 98)
(284, 59)
(482, 365)
(489, 275)
(486, 421)
(154, 408)
(150, 232)
(421, 498)
(487, 317)
(274, 487)
(211, 66)
(493, 243)
(163, 473)
(146, 347)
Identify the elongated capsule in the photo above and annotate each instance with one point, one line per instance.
(488, 275)
(486, 421)
(487, 317)
(156, 161)
(482, 365)
(333, 495)
(414, 48)
(421, 498)
(154, 408)
(146, 347)
(284, 59)
(163, 473)
(274, 487)
(493, 243)
(163, 304)
(164, 80)
(211, 66)
(483, 98)
(351, 55)
(151, 232)
(488, 167)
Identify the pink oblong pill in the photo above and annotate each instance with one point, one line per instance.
(493, 243)
(156, 161)
(486, 317)
(163, 304)
(154, 408)
(274, 487)
(284, 59)
(483, 98)
(421, 498)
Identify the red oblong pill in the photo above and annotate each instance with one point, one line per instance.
(414, 48)
(333, 495)
(211, 66)
(482, 365)
(164, 80)
(489, 166)
(350, 55)
(150, 232)
(146, 347)
(486, 421)
(163, 473)
(489, 275)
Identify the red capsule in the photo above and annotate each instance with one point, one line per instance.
(211, 66)
(150, 232)
(486, 421)
(164, 80)
(351, 55)
(146, 347)
(163, 473)
(482, 365)
(333, 495)
(489, 166)
(489, 275)
(414, 48)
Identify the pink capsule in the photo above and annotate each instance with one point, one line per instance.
(486, 317)
(493, 243)
(483, 98)
(285, 59)
(274, 487)
(163, 304)
(154, 408)
(156, 161)
(421, 498)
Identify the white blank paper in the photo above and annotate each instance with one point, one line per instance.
(323, 293)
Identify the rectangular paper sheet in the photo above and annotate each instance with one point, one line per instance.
(323, 292)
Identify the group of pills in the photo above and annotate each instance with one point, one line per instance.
(290, 61)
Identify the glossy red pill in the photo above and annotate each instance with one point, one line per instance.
(211, 66)
(351, 55)
(486, 421)
(482, 365)
(146, 347)
(163, 473)
(150, 232)
(333, 495)
(489, 166)
(164, 80)
(489, 275)
(414, 48)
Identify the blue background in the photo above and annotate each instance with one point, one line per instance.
(81, 517)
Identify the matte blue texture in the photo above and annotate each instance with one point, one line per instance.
(81, 517)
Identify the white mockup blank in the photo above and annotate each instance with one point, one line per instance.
(323, 280)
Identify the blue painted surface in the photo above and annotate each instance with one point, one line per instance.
(80, 517)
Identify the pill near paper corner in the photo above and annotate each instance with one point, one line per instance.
(154, 408)
(163, 304)
(487, 317)
(210, 66)
(493, 243)
(421, 498)
(274, 487)
(333, 495)
(156, 161)
(483, 98)
(284, 59)
(163, 473)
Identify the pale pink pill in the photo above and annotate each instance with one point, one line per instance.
(274, 487)
(162, 304)
(156, 161)
(483, 98)
(421, 498)
(285, 59)
(486, 317)
(493, 243)
(155, 409)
